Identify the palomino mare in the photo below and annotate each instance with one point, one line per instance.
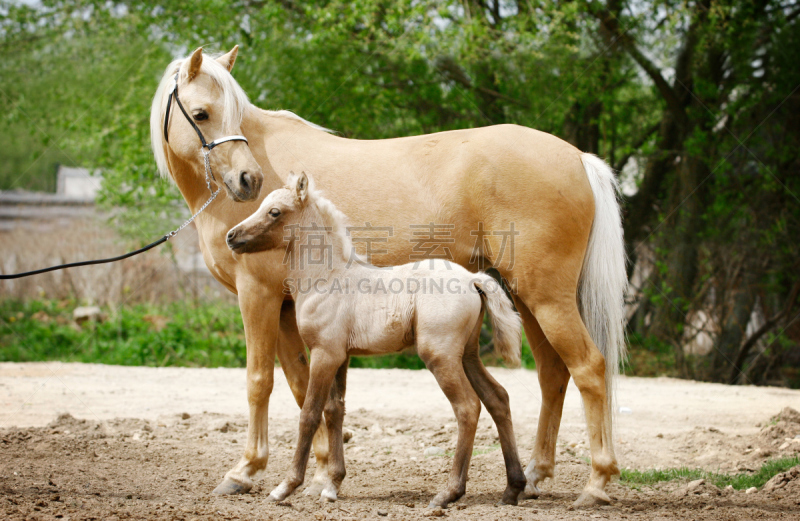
(433, 304)
(540, 211)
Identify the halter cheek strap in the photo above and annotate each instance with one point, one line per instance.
(173, 95)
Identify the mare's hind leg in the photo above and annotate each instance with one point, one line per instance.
(334, 418)
(294, 362)
(449, 373)
(495, 398)
(553, 381)
(562, 324)
(324, 364)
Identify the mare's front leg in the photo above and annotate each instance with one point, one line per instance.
(260, 312)
(324, 365)
(294, 362)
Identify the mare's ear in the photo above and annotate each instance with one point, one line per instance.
(227, 60)
(192, 65)
(301, 188)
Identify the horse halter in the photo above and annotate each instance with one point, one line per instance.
(173, 95)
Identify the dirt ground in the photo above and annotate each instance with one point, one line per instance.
(104, 442)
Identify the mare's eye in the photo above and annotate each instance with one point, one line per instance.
(274, 212)
(201, 116)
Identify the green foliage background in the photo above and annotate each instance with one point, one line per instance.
(695, 103)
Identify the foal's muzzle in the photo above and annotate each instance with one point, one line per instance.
(235, 241)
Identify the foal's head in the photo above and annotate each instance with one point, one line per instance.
(216, 104)
(263, 230)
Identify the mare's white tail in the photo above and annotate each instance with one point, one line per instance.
(603, 281)
(506, 324)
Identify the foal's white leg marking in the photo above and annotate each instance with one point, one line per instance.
(281, 492)
(329, 493)
(533, 477)
(320, 483)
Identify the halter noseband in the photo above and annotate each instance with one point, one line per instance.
(173, 95)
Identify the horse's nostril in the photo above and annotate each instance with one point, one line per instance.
(231, 235)
(244, 180)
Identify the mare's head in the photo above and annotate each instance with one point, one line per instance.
(216, 104)
(264, 229)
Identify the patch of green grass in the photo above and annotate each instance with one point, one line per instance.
(175, 334)
(741, 481)
(407, 359)
(203, 334)
(649, 357)
(486, 450)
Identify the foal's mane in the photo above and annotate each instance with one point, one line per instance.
(235, 102)
(335, 222)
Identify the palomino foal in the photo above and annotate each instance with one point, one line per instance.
(346, 314)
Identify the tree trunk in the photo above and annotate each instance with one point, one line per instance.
(734, 328)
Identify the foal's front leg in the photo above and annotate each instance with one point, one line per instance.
(323, 370)
(334, 418)
(294, 362)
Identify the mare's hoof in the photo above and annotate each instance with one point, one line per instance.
(229, 487)
(591, 497)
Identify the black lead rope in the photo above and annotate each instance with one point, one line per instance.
(209, 175)
(86, 263)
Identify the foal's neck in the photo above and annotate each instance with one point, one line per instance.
(319, 247)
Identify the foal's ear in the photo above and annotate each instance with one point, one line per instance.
(195, 61)
(302, 187)
(227, 60)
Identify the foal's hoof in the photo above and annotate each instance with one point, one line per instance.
(229, 487)
(280, 492)
(591, 497)
(531, 492)
(316, 487)
(511, 497)
(329, 493)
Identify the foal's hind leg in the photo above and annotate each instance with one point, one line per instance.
(324, 365)
(449, 373)
(495, 398)
(334, 418)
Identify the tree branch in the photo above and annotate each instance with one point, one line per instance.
(619, 165)
(763, 330)
(448, 67)
(610, 22)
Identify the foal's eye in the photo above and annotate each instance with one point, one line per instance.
(274, 212)
(201, 116)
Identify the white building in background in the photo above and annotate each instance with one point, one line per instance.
(78, 182)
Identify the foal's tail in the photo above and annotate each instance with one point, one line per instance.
(603, 281)
(506, 324)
